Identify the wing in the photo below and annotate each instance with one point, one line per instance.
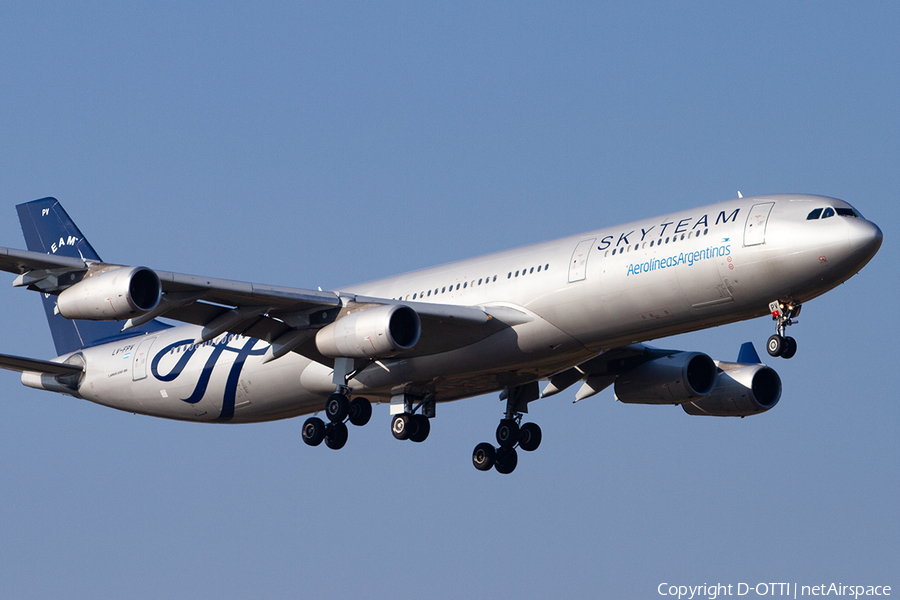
(287, 318)
(20, 363)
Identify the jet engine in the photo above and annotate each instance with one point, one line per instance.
(741, 390)
(371, 333)
(113, 295)
(673, 379)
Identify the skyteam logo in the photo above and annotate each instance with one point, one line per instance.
(684, 258)
(218, 347)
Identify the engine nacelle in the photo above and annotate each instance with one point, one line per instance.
(741, 390)
(672, 379)
(371, 333)
(113, 295)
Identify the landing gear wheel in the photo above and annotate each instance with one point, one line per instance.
(400, 426)
(360, 411)
(506, 460)
(483, 457)
(790, 348)
(335, 435)
(337, 407)
(507, 433)
(313, 431)
(419, 428)
(529, 437)
(776, 345)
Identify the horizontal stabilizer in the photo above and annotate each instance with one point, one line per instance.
(19, 363)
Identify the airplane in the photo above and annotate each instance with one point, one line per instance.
(573, 310)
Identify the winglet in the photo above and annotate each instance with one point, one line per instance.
(748, 354)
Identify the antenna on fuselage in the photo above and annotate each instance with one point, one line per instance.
(740, 195)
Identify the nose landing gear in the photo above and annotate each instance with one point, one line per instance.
(784, 314)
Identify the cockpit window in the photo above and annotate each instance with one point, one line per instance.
(814, 214)
(846, 212)
(829, 212)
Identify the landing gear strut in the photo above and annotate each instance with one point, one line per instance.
(784, 314)
(511, 434)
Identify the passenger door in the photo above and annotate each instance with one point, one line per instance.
(578, 264)
(755, 228)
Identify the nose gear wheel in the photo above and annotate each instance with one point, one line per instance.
(784, 313)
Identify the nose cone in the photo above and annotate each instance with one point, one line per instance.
(865, 238)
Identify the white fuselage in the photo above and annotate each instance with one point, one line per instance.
(583, 294)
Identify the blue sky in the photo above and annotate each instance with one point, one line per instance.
(324, 144)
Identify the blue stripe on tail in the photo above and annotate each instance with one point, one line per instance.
(48, 228)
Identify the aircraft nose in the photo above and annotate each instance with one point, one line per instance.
(865, 237)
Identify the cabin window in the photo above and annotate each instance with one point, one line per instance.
(531, 270)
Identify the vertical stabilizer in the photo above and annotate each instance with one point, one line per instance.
(48, 228)
(748, 354)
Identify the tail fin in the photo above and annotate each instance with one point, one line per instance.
(49, 229)
(748, 354)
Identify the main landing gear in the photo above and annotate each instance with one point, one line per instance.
(783, 313)
(511, 433)
(410, 425)
(339, 409)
